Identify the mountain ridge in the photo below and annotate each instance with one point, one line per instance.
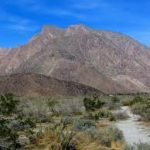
(105, 60)
(39, 85)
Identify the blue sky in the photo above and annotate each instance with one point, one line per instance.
(21, 19)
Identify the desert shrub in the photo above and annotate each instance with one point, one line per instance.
(8, 104)
(141, 106)
(66, 140)
(112, 118)
(66, 120)
(88, 103)
(142, 109)
(115, 99)
(89, 116)
(140, 146)
(17, 125)
(24, 123)
(8, 133)
(68, 107)
(116, 134)
(112, 106)
(29, 121)
(13, 136)
(103, 113)
(84, 124)
(106, 135)
(127, 102)
(33, 138)
(120, 115)
(65, 136)
(93, 103)
(137, 99)
(110, 134)
(35, 109)
(51, 104)
(4, 129)
(130, 102)
(138, 108)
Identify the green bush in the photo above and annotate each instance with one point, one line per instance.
(7, 132)
(93, 103)
(103, 113)
(8, 104)
(30, 121)
(115, 99)
(137, 99)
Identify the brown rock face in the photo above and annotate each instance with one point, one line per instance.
(108, 61)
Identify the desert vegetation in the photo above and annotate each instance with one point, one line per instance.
(140, 105)
(66, 123)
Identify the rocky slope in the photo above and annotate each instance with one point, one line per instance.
(3, 52)
(40, 85)
(108, 61)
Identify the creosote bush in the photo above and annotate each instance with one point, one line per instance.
(93, 103)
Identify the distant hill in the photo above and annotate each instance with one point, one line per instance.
(40, 85)
(105, 60)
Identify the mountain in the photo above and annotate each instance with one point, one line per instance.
(108, 61)
(3, 52)
(40, 85)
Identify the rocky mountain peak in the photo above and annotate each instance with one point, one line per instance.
(77, 29)
(52, 31)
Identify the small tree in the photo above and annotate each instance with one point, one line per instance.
(8, 104)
